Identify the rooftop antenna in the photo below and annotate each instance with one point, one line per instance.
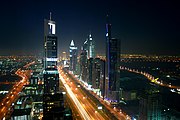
(50, 15)
(90, 33)
(107, 18)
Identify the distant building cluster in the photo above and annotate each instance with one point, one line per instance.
(91, 68)
(9, 64)
(101, 74)
(98, 74)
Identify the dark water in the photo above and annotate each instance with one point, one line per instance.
(132, 81)
(158, 69)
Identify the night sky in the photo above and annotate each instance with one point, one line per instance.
(144, 27)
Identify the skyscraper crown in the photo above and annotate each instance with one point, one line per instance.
(72, 43)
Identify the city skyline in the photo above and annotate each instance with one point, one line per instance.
(142, 27)
(103, 83)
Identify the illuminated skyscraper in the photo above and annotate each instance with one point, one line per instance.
(91, 47)
(98, 76)
(83, 61)
(51, 78)
(86, 60)
(73, 56)
(83, 64)
(52, 99)
(50, 44)
(112, 65)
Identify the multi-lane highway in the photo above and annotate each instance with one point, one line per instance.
(88, 103)
(108, 109)
(88, 110)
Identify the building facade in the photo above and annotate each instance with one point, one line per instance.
(91, 47)
(51, 77)
(87, 56)
(150, 107)
(112, 65)
(73, 56)
(50, 44)
(52, 99)
(90, 71)
(83, 65)
(98, 76)
(51, 81)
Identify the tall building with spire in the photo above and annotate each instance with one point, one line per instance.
(53, 103)
(112, 65)
(50, 43)
(73, 56)
(50, 57)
